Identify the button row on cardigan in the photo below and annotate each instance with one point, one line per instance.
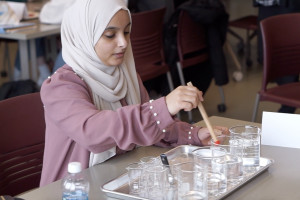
(155, 114)
(190, 133)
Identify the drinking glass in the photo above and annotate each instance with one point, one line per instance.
(134, 173)
(215, 175)
(157, 180)
(149, 161)
(232, 144)
(191, 181)
(232, 166)
(233, 160)
(250, 136)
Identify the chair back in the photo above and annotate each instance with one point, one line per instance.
(191, 41)
(281, 41)
(22, 133)
(147, 43)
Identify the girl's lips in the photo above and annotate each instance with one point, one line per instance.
(119, 55)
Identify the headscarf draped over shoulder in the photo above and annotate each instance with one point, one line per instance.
(82, 26)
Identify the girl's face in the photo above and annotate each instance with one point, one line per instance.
(112, 45)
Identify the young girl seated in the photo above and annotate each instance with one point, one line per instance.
(96, 106)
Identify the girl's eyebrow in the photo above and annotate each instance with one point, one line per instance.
(114, 28)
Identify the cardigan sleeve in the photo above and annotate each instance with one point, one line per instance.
(179, 133)
(70, 111)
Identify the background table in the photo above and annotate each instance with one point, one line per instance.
(29, 35)
(280, 181)
(38, 31)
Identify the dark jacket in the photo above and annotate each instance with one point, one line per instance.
(212, 15)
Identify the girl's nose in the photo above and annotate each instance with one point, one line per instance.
(122, 41)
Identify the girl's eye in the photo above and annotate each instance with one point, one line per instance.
(126, 32)
(110, 36)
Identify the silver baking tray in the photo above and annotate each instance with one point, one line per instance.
(119, 188)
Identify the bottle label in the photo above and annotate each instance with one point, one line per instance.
(76, 195)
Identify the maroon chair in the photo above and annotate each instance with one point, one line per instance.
(22, 133)
(250, 24)
(191, 46)
(281, 45)
(147, 45)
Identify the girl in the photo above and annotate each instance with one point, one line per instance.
(96, 106)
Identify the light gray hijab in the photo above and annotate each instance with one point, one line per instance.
(82, 26)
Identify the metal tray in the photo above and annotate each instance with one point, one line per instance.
(119, 188)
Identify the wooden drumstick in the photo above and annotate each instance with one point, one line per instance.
(206, 120)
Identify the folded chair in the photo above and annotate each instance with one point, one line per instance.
(22, 133)
(281, 45)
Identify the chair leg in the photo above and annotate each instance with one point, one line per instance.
(180, 73)
(182, 81)
(222, 106)
(171, 86)
(7, 58)
(237, 75)
(170, 81)
(254, 33)
(2, 71)
(190, 117)
(236, 35)
(248, 50)
(255, 107)
(6, 62)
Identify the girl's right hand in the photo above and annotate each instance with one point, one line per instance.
(183, 98)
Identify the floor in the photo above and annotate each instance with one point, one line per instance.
(239, 96)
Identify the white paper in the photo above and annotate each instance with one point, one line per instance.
(19, 9)
(281, 129)
(7, 14)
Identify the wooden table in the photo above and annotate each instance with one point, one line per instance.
(280, 181)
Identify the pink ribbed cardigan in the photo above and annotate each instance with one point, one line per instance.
(74, 127)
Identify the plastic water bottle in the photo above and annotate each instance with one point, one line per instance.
(75, 186)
